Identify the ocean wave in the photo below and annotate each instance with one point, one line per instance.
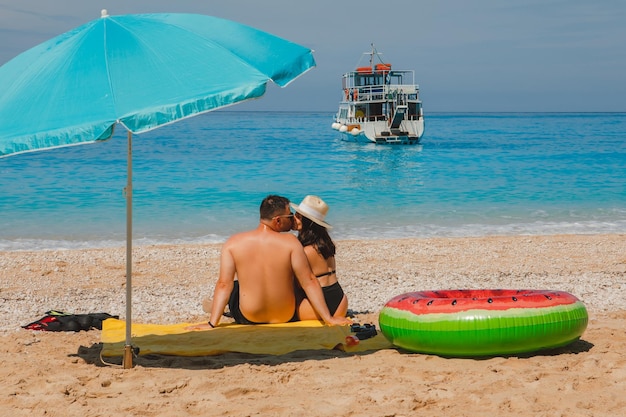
(343, 233)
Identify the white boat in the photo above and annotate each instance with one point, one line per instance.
(380, 104)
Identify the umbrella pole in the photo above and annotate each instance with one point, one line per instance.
(128, 349)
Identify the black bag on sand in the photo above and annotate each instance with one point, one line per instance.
(58, 321)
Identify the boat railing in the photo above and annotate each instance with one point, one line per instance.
(397, 77)
(379, 118)
(381, 92)
(414, 114)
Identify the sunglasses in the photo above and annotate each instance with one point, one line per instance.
(290, 216)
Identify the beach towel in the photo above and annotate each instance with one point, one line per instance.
(269, 339)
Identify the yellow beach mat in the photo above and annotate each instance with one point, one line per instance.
(268, 339)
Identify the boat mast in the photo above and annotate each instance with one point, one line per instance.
(372, 55)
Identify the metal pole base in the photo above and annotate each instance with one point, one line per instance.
(127, 361)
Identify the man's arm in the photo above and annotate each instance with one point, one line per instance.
(224, 285)
(311, 286)
(223, 289)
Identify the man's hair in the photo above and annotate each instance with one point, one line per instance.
(273, 205)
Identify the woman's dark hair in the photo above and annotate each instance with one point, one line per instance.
(272, 205)
(314, 234)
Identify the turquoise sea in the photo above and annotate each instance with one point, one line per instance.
(202, 179)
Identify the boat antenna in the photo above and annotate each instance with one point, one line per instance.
(374, 53)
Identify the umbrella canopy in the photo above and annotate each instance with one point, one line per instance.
(141, 71)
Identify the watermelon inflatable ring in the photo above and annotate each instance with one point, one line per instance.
(468, 323)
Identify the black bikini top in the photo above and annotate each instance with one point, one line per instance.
(325, 274)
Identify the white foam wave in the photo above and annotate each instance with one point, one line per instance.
(347, 233)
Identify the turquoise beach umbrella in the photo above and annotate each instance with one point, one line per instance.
(140, 71)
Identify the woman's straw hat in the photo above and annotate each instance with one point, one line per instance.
(313, 208)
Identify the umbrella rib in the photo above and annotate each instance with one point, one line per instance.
(108, 70)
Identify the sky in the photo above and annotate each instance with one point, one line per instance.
(468, 55)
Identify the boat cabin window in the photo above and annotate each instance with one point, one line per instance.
(375, 110)
(414, 110)
(395, 78)
(370, 79)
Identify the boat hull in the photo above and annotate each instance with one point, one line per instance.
(409, 132)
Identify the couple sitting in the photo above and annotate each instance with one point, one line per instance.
(265, 262)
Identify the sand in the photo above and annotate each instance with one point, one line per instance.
(60, 374)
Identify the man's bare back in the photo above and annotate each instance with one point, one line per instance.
(266, 281)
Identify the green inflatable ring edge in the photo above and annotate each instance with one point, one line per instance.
(485, 332)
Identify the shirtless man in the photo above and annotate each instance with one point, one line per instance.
(265, 261)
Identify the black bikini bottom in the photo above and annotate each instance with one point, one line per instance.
(235, 311)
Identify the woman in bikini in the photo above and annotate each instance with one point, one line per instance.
(320, 251)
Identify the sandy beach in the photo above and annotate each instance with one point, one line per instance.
(60, 374)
